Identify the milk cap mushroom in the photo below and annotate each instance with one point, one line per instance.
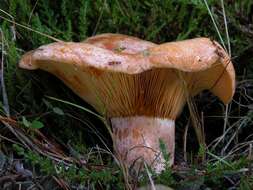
(140, 86)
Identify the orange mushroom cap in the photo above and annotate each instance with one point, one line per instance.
(126, 76)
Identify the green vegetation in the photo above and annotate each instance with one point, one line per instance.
(63, 147)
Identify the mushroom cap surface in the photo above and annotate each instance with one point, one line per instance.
(123, 76)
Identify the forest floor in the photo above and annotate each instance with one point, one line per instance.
(48, 139)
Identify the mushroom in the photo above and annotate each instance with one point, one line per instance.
(141, 87)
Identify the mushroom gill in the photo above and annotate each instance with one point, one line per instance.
(141, 86)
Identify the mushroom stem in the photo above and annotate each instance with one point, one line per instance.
(138, 138)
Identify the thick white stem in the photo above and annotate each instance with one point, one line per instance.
(138, 138)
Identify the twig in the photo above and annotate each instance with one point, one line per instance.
(215, 25)
(149, 177)
(32, 11)
(28, 28)
(3, 89)
(225, 123)
(185, 140)
(226, 27)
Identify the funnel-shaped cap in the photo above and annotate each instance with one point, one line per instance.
(126, 76)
